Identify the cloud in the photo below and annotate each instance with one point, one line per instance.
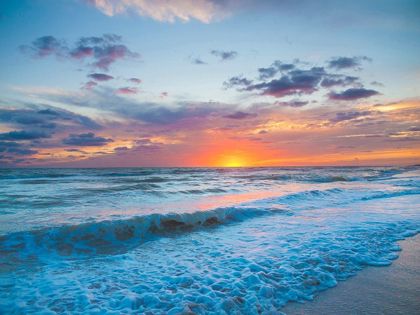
(100, 77)
(294, 103)
(43, 117)
(198, 61)
(375, 83)
(134, 80)
(342, 116)
(237, 81)
(163, 95)
(75, 150)
(24, 135)
(126, 90)
(5, 145)
(86, 140)
(337, 80)
(266, 73)
(89, 85)
(296, 82)
(414, 129)
(352, 94)
(104, 50)
(240, 115)
(19, 151)
(277, 66)
(340, 63)
(45, 46)
(224, 55)
(164, 10)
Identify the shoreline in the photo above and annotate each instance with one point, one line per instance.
(374, 290)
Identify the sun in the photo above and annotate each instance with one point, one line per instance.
(233, 164)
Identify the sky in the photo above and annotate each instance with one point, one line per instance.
(209, 83)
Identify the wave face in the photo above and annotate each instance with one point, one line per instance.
(195, 240)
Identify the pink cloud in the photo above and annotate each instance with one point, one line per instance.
(135, 80)
(164, 10)
(126, 90)
(89, 85)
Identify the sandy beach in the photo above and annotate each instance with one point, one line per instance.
(375, 290)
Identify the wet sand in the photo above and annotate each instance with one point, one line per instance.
(374, 290)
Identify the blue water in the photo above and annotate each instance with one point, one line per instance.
(194, 240)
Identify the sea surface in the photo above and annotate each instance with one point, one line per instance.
(195, 240)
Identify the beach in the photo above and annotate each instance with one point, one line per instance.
(375, 290)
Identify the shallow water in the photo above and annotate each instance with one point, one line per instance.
(209, 241)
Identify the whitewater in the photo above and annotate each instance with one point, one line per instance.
(195, 240)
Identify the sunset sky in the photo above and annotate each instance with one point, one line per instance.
(105, 83)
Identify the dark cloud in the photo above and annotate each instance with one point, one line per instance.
(237, 81)
(414, 129)
(104, 50)
(4, 145)
(45, 46)
(293, 103)
(86, 140)
(340, 63)
(338, 80)
(75, 150)
(15, 148)
(297, 81)
(121, 149)
(241, 115)
(198, 61)
(276, 67)
(100, 77)
(352, 94)
(19, 151)
(224, 55)
(144, 111)
(126, 90)
(24, 135)
(266, 73)
(134, 80)
(377, 84)
(294, 83)
(342, 116)
(46, 118)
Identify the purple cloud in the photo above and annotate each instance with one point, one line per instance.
(352, 94)
(45, 46)
(294, 103)
(224, 55)
(241, 115)
(342, 116)
(100, 77)
(24, 135)
(134, 80)
(340, 63)
(338, 80)
(86, 140)
(198, 61)
(104, 50)
(237, 81)
(126, 90)
(295, 82)
(89, 85)
(19, 151)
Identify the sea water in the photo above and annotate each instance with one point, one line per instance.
(194, 240)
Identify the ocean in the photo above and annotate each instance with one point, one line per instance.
(195, 240)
